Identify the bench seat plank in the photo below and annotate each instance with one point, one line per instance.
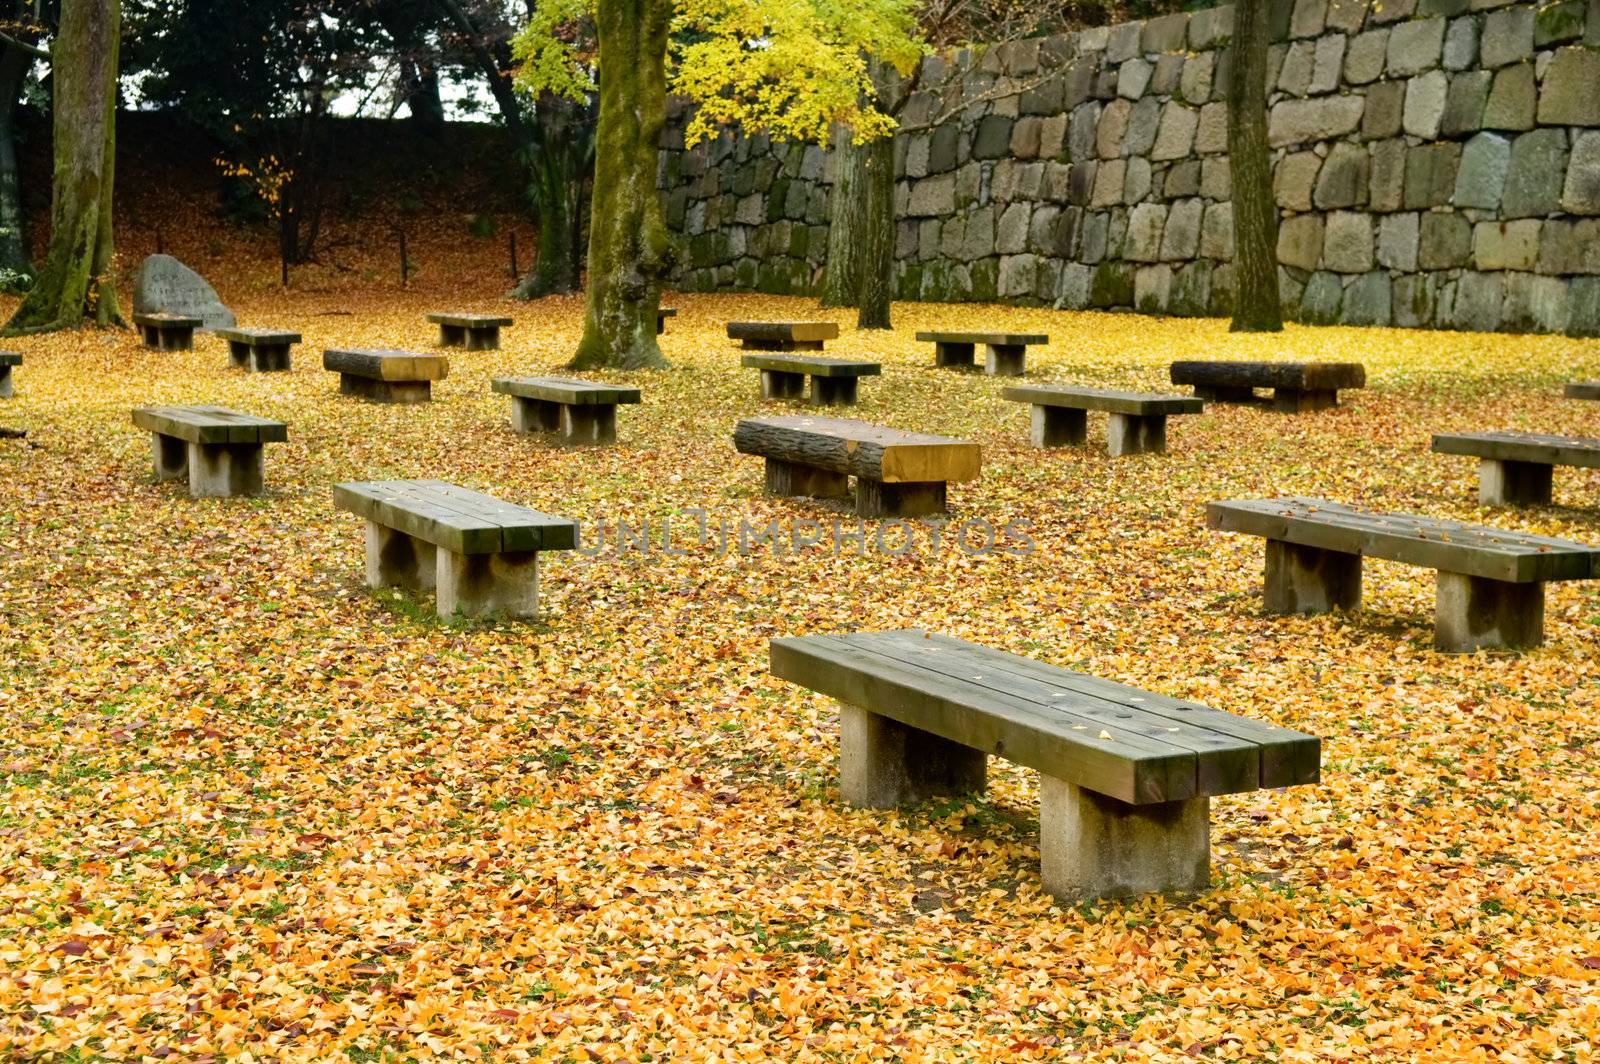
(386, 365)
(812, 365)
(993, 339)
(469, 321)
(209, 425)
(10, 358)
(1582, 390)
(456, 518)
(1521, 447)
(779, 332)
(164, 320)
(859, 449)
(1295, 376)
(255, 337)
(1139, 404)
(568, 391)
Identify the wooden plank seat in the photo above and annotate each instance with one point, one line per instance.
(1489, 587)
(1006, 351)
(8, 360)
(259, 350)
(662, 314)
(167, 332)
(1125, 775)
(1514, 468)
(581, 411)
(478, 554)
(386, 376)
(783, 335)
(833, 380)
(219, 450)
(1137, 425)
(898, 474)
(475, 332)
(1582, 390)
(1297, 387)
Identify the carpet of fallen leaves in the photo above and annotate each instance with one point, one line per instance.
(254, 811)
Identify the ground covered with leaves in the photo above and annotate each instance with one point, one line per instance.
(254, 811)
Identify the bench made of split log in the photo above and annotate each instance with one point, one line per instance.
(833, 380)
(1583, 390)
(1006, 351)
(475, 332)
(479, 555)
(662, 314)
(220, 450)
(898, 474)
(1138, 422)
(581, 411)
(1514, 468)
(259, 350)
(386, 376)
(1490, 583)
(8, 359)
(1297, 387)
(1125, 775)
(167, 332)
(783, 335)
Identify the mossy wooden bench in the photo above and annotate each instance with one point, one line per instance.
(219, 450)
(898, 474)
(1125, 775)
(1006, 352)
(475, 332)
(1297, 387)
(1137, 425)
(167, 332)
(783, 335)
(1582, 390)
(478, 554)
(8, 361)
(1514, 468)
(1489, 587)
(833, 380)
(386, 376)
(662, 314)
(580, 411)
(259, 350)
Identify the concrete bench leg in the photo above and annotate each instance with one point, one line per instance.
(222, 470)
(535, 415)
(1095, 846)
(485, 339)
(150, 336)
(476, 585)
(1135, 434)
(1005, 360)
(5, 382)
(1513, 483)
(240, 355)
(270, 359)
(1223, 393)
(1059, 426)
(833, 391)
(1310, 580)
(385, 391)
(874, 498)
(396, 559)
(171, 456)
(884, 764)
(1473, 612)
(591, 423)
(452, 336)
(1293, 401)
(175, 339)
(777, 385)
(953, 355)
(792, 480)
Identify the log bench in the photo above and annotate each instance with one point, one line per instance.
(167, 332)
(475, 332)
(1582, 390)
(8, 359)
(219, 450)
(1125, 775)
(1514, 468)
(782, 335)
(386, 376)
(833, 380)
(898, 474)
(581, 411)
(1006, 351)
(479, 555)
(1490, 584)
(1137, 425)
(1297, 387)
(662, 314)
(259, 350)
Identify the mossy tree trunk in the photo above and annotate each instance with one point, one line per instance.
(841, 278)
(875, 289)
(630, 249)
(1256, 304)
(562, 155)
(14, 64)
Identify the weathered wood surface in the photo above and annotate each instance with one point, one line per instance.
(209, 424)
(993, 339)
(10, 358)
(783, 331)
(812, 365)
(455, 518)
(1141, 404)
(259, 337)
(1111, 738)
(1294, 376)
(859, 449)
(1521, 447)
(163, 320)
(469, 321)
(1582, 390)
(386, 365)
(565, 390)
(1451, 546)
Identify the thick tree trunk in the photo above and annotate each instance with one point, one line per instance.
(76, 283)
(630, 250)
(420, 81)
(875, 289)
(553, 270)
(14, 63)
(841, 280)
(1256, 305)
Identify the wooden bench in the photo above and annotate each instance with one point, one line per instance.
(220, 450)
(386, 376)
(1490, 583)
(1297, 387)
(1582, 390)
(8, 359)
(1006, 351)
(1125, 775)
(479, 555)
(783, 335)
(259, 350)
(898, 474)
(581, 411)
(1138, 422)
(662, 314)
(1514, 468)
(475, 332)
(167, 332)
(833, 380)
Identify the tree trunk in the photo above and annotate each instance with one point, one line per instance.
(553, 269)
(630, 250)
(14, 64)
(875, 290)
(1256, 304)
(841, 280)
(76, 283)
